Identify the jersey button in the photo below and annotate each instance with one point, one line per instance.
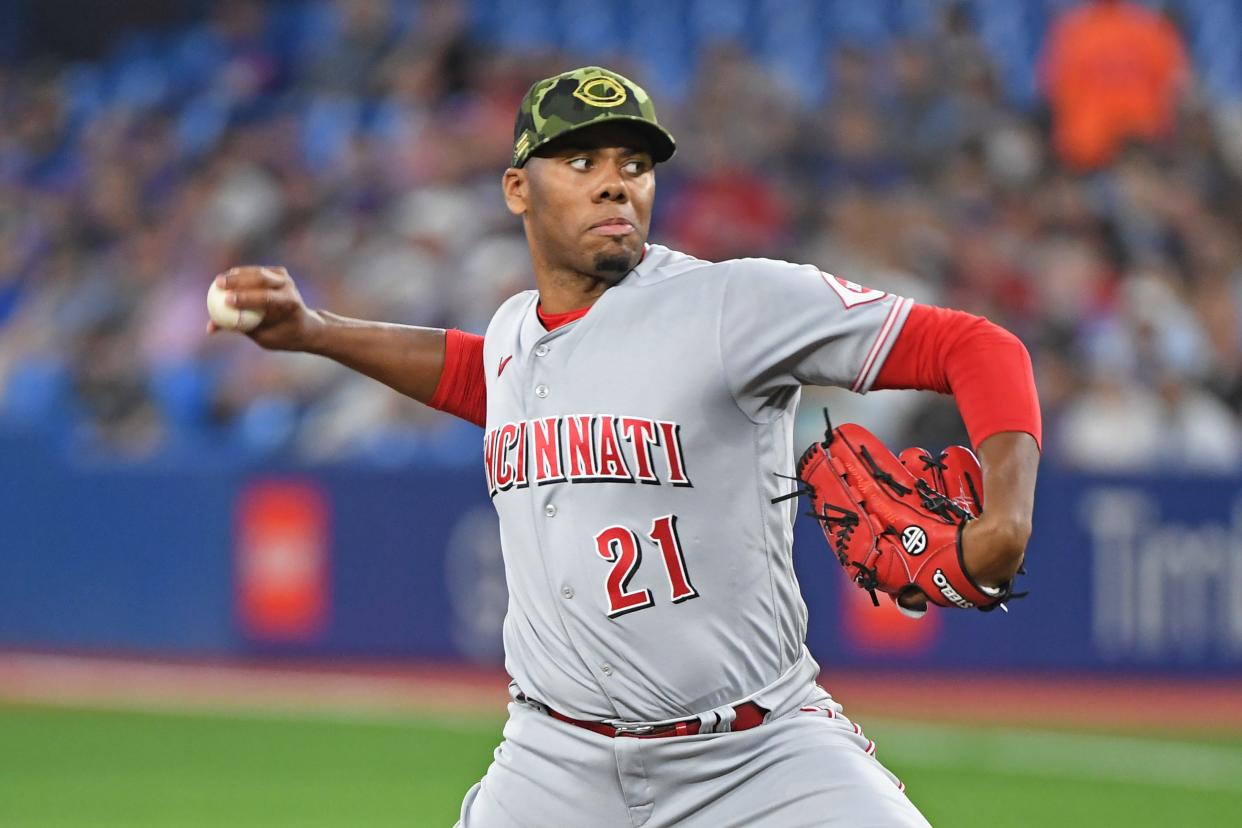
(550, 510)
(541, 391)
(606, 669)
(542, 350)
(567, 591)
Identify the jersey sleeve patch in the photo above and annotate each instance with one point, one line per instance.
(850, 293)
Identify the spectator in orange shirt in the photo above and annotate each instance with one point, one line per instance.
(1112, 71)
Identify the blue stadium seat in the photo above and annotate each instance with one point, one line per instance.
(862, 24)
(327, 128)
(201, 122)
(268, 425)
(790, 45)
(661, 42)
(719, 20)
(909, 18)
(591, 27)
(522, 24)
(1213, 28)
(180, 390)
(791, 36)
(37, 395)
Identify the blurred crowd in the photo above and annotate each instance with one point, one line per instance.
(360, 144)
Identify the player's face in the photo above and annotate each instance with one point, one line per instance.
(587, 198)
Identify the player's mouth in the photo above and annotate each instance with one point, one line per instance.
(615, 226)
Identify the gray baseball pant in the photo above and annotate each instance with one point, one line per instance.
(813, 767)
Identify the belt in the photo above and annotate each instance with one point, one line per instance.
(746, 716)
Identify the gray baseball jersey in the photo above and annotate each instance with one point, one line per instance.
(632, 458)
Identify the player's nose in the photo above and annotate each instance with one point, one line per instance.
(615, 194)
(611, 185)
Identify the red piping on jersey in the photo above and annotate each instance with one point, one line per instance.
(985, 367)
(877, 346)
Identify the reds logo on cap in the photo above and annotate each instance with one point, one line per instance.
(600, 91)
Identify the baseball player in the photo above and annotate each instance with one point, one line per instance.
(637, 409)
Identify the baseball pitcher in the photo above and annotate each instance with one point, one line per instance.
(638, 409)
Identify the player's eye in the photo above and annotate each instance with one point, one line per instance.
(580, 163)
(636, 166)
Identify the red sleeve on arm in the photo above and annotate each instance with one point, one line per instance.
(462, 390)
(984, 367)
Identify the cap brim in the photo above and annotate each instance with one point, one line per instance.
(662, 144)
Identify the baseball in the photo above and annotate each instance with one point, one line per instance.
(225, 315)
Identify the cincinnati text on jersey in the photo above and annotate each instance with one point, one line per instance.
(586, 448)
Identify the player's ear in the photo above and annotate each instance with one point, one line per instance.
(515, 186)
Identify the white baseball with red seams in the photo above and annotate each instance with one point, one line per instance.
(632, 457)
(225, 315)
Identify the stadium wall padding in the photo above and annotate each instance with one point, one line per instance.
(1125, 574)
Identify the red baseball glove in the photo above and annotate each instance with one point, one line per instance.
(896, 524)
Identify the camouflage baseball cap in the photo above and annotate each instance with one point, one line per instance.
(583, 97)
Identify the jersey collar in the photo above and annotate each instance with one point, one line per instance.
(552, 321)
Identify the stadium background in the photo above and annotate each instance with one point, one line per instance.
(253, 589)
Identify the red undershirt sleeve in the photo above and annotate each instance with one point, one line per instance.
(985, 367)
(462, 390)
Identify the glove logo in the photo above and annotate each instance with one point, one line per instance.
(914, 540)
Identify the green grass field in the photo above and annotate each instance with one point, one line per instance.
(75, 768)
